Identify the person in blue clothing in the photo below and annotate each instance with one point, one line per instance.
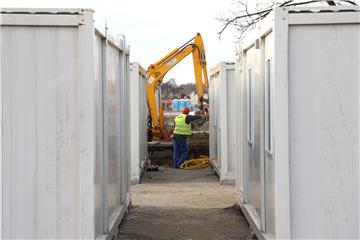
(181, 131)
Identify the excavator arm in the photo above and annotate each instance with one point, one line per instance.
(157, 71)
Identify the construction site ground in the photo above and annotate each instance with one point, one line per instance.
(183, 204)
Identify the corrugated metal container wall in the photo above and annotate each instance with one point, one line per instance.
(223, 145)
(298, 173)
(63, 172)
(138, 113)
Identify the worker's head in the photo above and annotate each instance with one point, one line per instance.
(186, 110)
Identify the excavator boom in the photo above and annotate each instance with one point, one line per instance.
(157, 71)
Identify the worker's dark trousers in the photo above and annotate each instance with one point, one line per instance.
(180, 151)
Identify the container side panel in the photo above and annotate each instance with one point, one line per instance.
(221, 115)
(99, 168)
(128, 119)
(126, 161)
(257, 120)
(112, 111)
(124, 127)
(213, 117)
(223, 120)
(86, 115)
(252, 148)
(324, 131)
(134, 123)
(217, 119)
(269, 161)
(211, 121)
(41, 132)
(239, 125)
(138, 120)
(222, 140)
(143, 117)
(231, 118)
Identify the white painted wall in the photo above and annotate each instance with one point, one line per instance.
(310, 179)
(223, 145)
(138, 116)
(324, 130)
(60, 99)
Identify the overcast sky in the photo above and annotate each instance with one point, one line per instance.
(155, 27)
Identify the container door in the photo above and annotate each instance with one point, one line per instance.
(253, 176)
(268, 223)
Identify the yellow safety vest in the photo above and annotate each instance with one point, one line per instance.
(181, 127)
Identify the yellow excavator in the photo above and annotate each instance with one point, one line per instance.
(156, 72)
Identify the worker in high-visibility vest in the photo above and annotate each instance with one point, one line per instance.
(181, 131)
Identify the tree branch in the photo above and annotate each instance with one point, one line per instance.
(245, 19)
(242, 16)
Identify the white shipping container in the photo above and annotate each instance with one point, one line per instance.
(222, 121)
(298, 168)
(65, 170)
(138, 127)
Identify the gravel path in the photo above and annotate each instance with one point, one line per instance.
(177, 204)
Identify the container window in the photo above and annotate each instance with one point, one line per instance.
(268, 110)
(249, 106)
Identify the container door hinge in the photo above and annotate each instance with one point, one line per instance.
(82, 21)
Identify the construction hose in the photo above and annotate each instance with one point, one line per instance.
(194, 164)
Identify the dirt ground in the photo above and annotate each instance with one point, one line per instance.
(178, 204)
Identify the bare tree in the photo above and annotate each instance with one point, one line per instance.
(245, 16)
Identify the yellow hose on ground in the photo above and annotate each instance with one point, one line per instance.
(194, 164)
